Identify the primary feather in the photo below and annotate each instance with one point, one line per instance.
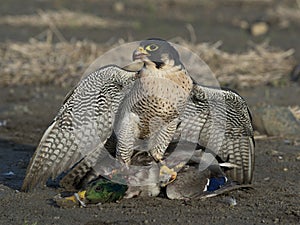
(219, 121)
(82, 126)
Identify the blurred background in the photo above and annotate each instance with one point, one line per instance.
(245, 42)
(235, 22)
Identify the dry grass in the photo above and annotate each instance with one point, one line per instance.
(43, 63)
(63, 18)
(260, 65)
(64, 63)
(284, 13)
(295, 110)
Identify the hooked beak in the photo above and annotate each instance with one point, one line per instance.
(140, 53)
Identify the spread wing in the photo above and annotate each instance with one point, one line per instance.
(83, 124)
(219, 122)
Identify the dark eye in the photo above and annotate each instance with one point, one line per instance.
(99, 188)
(152, 47)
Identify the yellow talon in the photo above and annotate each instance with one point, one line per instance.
(166, 170)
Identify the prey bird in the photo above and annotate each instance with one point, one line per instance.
(113, 113)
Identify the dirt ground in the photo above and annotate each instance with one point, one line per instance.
(26, 111)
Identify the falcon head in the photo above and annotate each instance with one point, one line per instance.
(156, 51)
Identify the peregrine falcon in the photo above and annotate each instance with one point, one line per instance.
(120, 112)
(150, 112)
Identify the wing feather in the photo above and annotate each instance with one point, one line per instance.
(83, 123)
(220, 121)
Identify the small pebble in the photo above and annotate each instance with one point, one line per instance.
(259, 28)
(285, 169)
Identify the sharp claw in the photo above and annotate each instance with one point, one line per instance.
(170, 172)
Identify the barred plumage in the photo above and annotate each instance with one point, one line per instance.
(82, 125)
(220, 121)
(151, 112)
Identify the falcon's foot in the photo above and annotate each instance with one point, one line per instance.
(166, 175)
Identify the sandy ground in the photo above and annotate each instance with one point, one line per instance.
(26, 111)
